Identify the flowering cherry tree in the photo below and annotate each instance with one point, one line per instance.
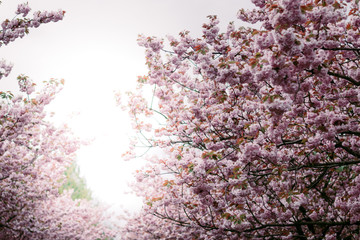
(260, 132)
(34, 155)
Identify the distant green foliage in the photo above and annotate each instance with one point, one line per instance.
(75, 182)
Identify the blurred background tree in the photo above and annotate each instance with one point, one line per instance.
(75, 182)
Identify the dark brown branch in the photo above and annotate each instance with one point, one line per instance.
(302, 223)
(268, 172)
(318, 179)
(296, 224)
(324, 165)
(341, 49)
(289, 142)
(6, 226)
(347, 149)
(350, 79)
(351, 133)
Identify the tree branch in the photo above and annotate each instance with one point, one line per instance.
(353, 81)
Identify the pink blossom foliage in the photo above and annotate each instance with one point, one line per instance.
(26, 85)
(260, 135)
(18, 27)
(33, 157)
(5, 69)
(23, 9)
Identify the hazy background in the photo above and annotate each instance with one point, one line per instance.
(95, 50)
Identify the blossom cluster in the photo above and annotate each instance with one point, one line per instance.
(26, 85)
(18, 27)
(5, 69)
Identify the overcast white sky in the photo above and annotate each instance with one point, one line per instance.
(94, 49)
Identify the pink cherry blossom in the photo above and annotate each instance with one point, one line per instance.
(33, 157)
(259, 132)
